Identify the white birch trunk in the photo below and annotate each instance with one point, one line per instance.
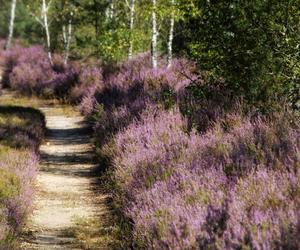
(131, 25)
(64, 33)
(171, 36)
(154, 36)
(67, 39)
(11, 24)
(110, 10)
(46, 26)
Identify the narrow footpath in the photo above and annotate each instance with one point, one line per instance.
(69, 208)
(65, 185)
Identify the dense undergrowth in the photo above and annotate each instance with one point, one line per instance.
(189, 166)
(21, 131)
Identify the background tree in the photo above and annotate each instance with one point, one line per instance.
(252, 46)
(11, 24)
(154, 35)
(40, 10)
(131, 7)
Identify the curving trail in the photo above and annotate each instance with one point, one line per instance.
(66, 184)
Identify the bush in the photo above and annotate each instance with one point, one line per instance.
(128, 91)
(90, 81)
(252, 46)
(18, 170)
(190, 166)
(21, 131)
(30, 72)
(182, 189)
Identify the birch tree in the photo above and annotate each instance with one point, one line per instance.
(11, 24)
(131, 6)
(171, 35)
(43, 21)
(110, 12)
(45, 9)
(154, 35)
(67, 37)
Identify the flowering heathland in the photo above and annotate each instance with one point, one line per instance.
(30, 72)
(232, 187)
(189, 167)
(21, 131)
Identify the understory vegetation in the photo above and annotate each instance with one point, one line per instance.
(21, 131)
(194, 106)
(185, 172)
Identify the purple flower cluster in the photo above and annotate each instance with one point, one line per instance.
(28, 68)
(190, 172)
(18, 170)
(132, 87)
(140, 71)
(185, 190)
(29, 71)
(90, 81)
(21, 131)
(234, 186)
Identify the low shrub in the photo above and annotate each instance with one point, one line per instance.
(90, 81)
(21, 132)
(182, 190)
(18, 170)
(190, 166)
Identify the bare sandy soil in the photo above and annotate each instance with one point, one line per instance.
(65, 186)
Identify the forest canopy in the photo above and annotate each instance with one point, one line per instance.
(250, 47)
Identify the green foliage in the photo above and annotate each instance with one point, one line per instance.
(250, 46)
(25, 26)
(253, 46)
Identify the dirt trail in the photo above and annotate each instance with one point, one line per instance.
(66, 184)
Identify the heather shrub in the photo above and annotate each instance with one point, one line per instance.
(21, 127)
(182, 189)
(128, 91)
(30, 68)
(90, 81)
(18, 170)
(204, 104)
(9, 59)
(60, 85)
(264, 212)
(139, 70)
(21, 131)
(136, 79)
(29, 71)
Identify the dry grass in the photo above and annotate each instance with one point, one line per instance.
(14, 99)
(91, 234)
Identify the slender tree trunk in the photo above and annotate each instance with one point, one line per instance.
(11, 24)
(64, 32)
(171, 36)
(110, 10)
(67, 39)
(131, 25)
(154, 36)
(46, 26)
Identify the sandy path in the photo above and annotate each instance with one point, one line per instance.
(65, 185)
